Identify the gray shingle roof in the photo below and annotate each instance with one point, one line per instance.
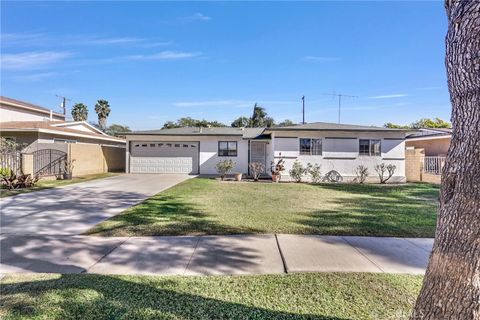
(246, 133)
(326, 126)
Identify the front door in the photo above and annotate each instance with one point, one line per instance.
(258, 152)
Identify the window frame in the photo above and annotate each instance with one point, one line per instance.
(228, 150)
(371, 143)
(61, 140)
(319, 151)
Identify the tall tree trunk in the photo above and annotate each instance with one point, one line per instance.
(451, 287)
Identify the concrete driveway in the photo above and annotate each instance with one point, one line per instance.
(73, 209)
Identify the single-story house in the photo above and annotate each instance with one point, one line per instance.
(45, 142)
(339, 147)
(16, 110)
(435, 142)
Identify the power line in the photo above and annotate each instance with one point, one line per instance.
(339, 95)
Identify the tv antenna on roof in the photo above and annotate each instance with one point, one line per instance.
(339, 95)
(63, 104)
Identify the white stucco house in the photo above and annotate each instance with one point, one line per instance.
(339, 147)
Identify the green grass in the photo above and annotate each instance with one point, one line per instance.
(207, 206)
(295, 296)
(48, 184)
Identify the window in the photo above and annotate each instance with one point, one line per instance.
(185, 145)
(227, 148)
(152, 145)
(64, 141)
(177, 145)
(310, 147)
(370, 147)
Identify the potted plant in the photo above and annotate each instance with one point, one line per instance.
(276, 169)
(68, 172)
(238, 176)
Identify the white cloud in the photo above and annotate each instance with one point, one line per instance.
(166, 55)
(108, 41)
(321, 59)
(389, 96)
(196, 17)
(31, 60)
(35, 76)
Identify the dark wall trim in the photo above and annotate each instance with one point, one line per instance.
(340, 158)
(394, 139)
(393, 158)
(286, 137)
(346, 138)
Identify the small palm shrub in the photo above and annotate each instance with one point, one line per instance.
(314, 171)
(297, 171)
(362, 173)
(224, 167)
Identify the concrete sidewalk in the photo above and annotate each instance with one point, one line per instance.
(206, 255)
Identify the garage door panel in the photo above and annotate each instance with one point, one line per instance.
(164, 157)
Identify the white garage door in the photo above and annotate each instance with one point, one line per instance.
(164, 157)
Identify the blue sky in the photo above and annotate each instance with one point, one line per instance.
(156, 62)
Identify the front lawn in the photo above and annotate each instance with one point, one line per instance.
(207, 206)
(48, 184)
(295, 296)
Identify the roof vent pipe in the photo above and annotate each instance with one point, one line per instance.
(200, 130)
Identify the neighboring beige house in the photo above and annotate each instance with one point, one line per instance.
(47, 144)
(435, 142)
(16, 110)
(425, 154)
(338, 147)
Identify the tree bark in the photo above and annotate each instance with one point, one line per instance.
(451, 287)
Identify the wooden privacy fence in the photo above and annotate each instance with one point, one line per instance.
(11, 160)
(433, 165)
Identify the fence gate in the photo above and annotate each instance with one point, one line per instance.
(433, 165)
(11, 160)
(49, 162)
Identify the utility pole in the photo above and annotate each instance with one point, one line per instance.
(339, 101)
(303, 109)
(63, 104)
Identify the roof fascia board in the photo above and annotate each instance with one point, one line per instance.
(45, 111)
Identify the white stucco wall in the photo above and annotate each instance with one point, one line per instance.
(9, 113)
(340, 152)
(208, 157)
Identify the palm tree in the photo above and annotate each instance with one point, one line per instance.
(258, 117)
(79, 112)
(102, 108)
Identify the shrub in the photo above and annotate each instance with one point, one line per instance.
(314, 172)
(5, 172)
(277, 167)
(257, 169)
(14, 181)
(224, 167)
(382, 169)
(362, 173)
(297, 171)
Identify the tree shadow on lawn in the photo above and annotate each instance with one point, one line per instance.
(107, 297)
(165, 215)
(374, 211)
